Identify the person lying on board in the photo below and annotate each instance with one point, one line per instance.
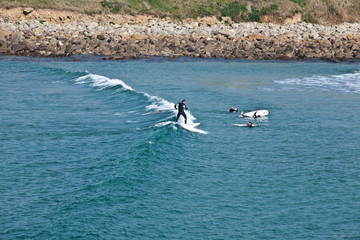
(249, 124)
(256, 115)
(232, 109)
(181, 112)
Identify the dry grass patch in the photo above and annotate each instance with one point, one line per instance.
(314, 11)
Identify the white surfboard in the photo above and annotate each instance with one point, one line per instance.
(262, 113)
(245, 125)
(192, 127)
(189, 124)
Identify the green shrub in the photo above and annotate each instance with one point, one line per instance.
(243, 8)
(91, 13)
(301, 3)
(232, 10)
(308, 18)
(115, 9)
(220, 3)
(203, 11)
(105, 4)
(178, 17)
(274, 7)
(255, 14)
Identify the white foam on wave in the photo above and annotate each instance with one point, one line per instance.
(161, 124)
(188, 126)
(102, 82)
(119, 114)
(156, 103)
(349, 82)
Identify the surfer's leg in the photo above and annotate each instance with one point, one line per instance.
(178, 115)
(184, 115)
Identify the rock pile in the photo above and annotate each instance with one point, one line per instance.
(165, 38)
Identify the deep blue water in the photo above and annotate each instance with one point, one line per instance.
(86, 153)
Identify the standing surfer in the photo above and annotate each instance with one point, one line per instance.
(181, 106)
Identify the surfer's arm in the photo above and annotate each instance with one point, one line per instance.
(175, 106)
(186, 107)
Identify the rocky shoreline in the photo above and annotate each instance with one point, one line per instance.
(165, 38)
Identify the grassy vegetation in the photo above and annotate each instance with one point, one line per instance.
(301, 3)
(237, 10)
(255, 14)
(78, 5)
(310, 19)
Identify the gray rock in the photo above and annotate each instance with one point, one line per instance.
(18, 47)
(27, 11)
(101, 37)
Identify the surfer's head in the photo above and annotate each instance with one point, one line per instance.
(183, 101)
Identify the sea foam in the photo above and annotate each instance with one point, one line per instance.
(349, 82)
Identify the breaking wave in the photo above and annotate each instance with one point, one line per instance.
(157, 104)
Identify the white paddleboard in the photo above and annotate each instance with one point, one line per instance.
(262, 113)
(245, 125)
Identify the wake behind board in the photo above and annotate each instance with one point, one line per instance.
(189, 124)
(262, 113)
(245, 125)
(164, 110)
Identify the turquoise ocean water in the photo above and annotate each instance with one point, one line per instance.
(86, 153)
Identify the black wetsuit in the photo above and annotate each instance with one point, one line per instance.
(181, 107)
(255, 116)
(233, 110)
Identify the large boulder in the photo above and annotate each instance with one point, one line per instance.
(18, 47)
